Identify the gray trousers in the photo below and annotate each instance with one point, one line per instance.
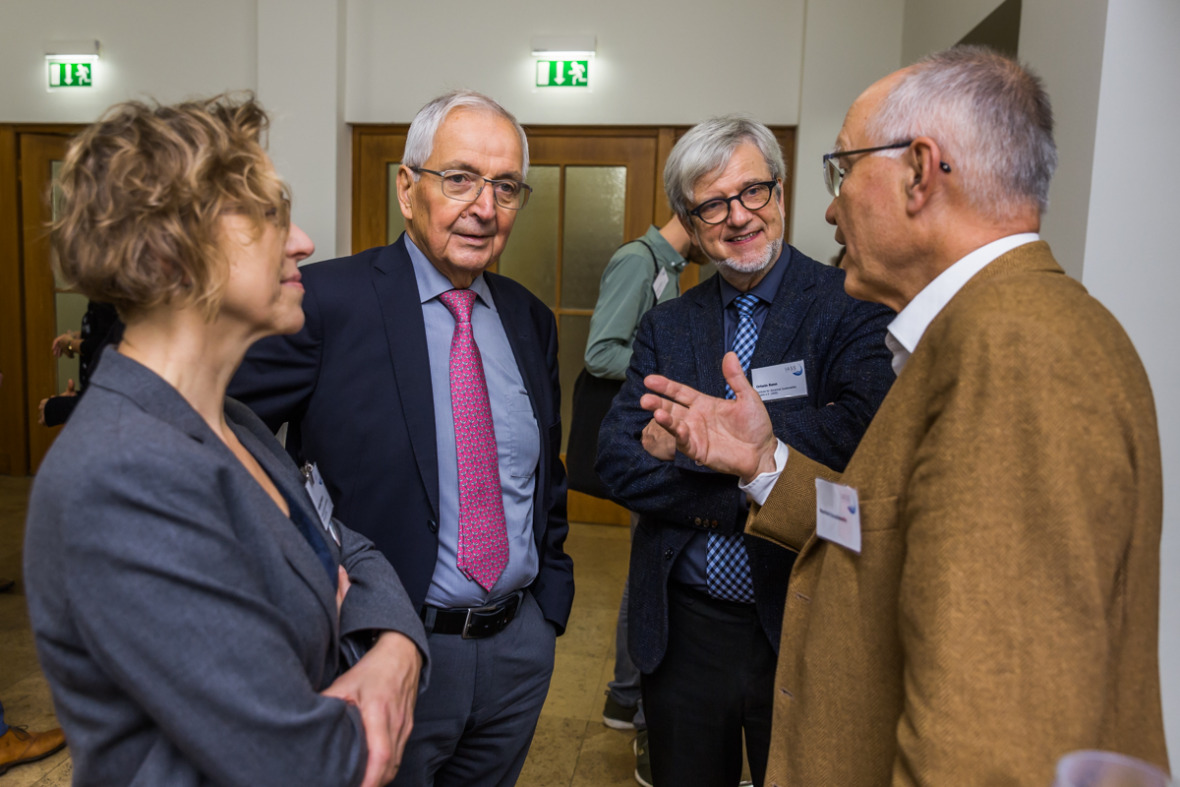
(474, 723)
(625, 687)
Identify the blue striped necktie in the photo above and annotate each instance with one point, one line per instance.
(727, 566)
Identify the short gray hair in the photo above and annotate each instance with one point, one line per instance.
(708, 146)
(991, 117)
(420, 139)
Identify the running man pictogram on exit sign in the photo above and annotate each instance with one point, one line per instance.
(563, 73)
(70, 73)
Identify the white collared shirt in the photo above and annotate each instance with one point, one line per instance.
(911, 322)
(904, 333)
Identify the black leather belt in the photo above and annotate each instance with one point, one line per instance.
(473, 622)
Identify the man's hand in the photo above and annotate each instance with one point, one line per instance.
(727, 435)
(658, 442)
(384, 686)
(67, 344)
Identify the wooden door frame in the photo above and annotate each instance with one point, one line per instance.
(370, 185)
(18, 403)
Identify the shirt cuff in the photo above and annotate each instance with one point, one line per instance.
(760, 487)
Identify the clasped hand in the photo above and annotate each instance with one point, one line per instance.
(384, 686)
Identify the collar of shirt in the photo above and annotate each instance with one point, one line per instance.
(667, 256)
(911, 322)
(431, 282)
(765, 289)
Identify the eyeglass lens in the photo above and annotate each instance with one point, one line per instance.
(467, 186)
(752, 198)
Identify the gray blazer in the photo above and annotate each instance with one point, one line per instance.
(187, 626)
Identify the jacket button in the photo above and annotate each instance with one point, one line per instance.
(432, 526)
(698, 520)
(668, 553)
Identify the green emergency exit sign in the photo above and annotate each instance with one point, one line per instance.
(563, 73)
(71, 73)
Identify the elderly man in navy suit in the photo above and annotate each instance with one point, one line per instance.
(707, 602)
(426, 389)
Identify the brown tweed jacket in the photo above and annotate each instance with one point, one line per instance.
(1004, 608)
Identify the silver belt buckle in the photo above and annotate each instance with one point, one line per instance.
(467, 622)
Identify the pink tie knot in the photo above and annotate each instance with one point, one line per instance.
(459, 304)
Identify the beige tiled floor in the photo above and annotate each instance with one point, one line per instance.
(571, 748)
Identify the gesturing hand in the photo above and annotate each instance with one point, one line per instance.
(727, 435)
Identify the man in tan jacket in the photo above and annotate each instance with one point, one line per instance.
(978, 593)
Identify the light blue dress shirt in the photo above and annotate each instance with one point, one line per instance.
(518, 439)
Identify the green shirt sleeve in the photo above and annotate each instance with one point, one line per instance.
(624, 294)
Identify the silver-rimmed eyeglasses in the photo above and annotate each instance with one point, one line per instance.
(834, 173)
(464, 186)
(753, 197)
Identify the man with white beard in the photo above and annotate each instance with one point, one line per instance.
(706, 602)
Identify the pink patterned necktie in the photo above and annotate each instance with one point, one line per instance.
(483, 537)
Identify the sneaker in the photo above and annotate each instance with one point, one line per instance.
(618, 716)
(642, 759)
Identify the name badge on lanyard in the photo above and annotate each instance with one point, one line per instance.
(313, 482)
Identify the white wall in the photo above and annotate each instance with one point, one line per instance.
(931, 25)
(849, 44)
(301, 82)
(658, 61)
(169, 51)
(1063, 42)
(1130, 252)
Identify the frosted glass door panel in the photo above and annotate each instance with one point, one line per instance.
(595, 205)
(531, 255)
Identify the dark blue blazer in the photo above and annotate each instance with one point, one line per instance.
(848, 371)
(354, 385)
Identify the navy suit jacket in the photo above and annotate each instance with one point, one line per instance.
(354, 385)
(848, 370)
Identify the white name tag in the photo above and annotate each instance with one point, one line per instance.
(837, 514)
(785, 381)
(314, 483)
(660, 283)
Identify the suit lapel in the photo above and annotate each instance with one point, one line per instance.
(708, 336)
(405, 332)
(295, 546)
(162, 401)
(787, 313)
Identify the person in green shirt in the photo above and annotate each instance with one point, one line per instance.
(640, 274)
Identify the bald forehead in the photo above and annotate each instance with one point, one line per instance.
(862, 110)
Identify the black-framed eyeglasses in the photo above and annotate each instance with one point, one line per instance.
(834, 173)
(464, 186)
(752, 197)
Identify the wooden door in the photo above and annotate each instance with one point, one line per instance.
(33, 309)
(49, 309)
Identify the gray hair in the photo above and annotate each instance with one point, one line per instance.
(989, 115)
(708, 146)
(420, 139)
